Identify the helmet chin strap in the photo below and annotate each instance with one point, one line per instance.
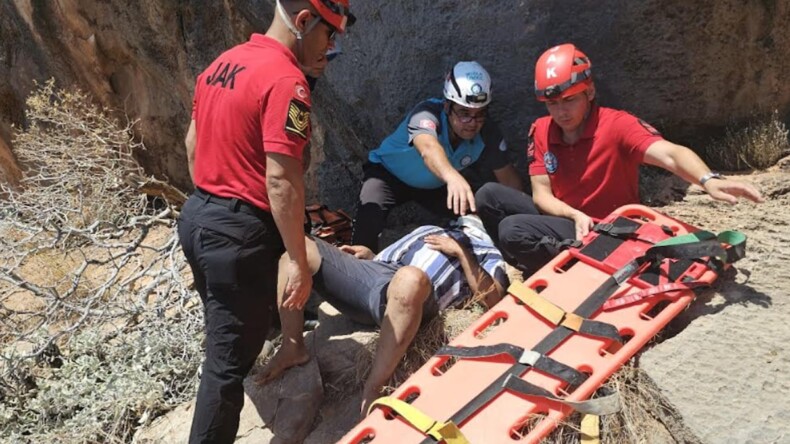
(291, 27)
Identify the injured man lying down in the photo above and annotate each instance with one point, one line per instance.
(409, 282)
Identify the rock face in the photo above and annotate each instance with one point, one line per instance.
(722, 364)
(687, 67)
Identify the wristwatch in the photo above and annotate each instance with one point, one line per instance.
(709, 176)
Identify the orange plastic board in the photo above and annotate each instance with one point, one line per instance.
(440, 390)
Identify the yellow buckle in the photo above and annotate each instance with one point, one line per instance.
(440, 431)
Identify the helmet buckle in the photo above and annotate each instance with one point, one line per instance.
(553, 92)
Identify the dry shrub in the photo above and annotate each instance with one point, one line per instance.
(99, 331)
(758, 144)
(76, 162)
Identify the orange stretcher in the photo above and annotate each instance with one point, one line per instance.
(541, 352)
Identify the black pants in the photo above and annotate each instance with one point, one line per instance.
(233, 250)
(525, 237)
(381, 192)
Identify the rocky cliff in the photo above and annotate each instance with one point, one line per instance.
(690, 68)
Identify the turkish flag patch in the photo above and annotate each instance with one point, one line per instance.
(650, 128)
(428, 124)
(298, 120)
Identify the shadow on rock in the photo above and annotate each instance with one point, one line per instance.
(725, 292)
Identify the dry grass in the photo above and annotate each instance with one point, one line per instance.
(757, 144)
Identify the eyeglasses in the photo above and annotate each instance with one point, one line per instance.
(466, 118)
(332, 30)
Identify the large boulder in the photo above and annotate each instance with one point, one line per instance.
(688, 67)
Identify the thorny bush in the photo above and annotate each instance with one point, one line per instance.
(99, 332)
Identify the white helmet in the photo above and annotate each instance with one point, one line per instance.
(468, 84)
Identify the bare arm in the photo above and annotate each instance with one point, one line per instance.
(547, 203)
(480, 282)
(508, 176)
(190, 141)
(358, 251)
(285, 186)
(459, 193)
(685, 164)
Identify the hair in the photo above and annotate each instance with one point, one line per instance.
(294, 6)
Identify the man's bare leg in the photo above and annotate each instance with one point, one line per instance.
(292, 352)
(406, 294)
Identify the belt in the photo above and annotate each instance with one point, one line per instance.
(233, 204)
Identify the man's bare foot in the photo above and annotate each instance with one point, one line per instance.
(286, 357)
(368, 396)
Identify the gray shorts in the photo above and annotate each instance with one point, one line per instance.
(355, 287)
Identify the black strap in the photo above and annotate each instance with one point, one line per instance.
(544, 363)
(554, 245)
(615, 230)
(602, 246)
(601, 330)
(606, 405)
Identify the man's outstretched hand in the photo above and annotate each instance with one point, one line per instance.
(728, 190)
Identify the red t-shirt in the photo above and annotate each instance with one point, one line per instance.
(600, 172)
(252, 100)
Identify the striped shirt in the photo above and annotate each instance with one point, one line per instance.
(450, 286)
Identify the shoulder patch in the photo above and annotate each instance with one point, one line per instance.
(298, 120)
(503, 146)
(300, 91)
(650, 128)
(550, 160)
(428, 124)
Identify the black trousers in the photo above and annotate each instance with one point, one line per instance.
(525, 237)
(233, 250)
(381, 192)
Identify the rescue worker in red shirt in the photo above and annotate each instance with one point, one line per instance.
(245, 146)
(584, 163)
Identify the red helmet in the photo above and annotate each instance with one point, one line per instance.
(562, 71)
(335, 12)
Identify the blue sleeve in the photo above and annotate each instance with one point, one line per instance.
(494, 265)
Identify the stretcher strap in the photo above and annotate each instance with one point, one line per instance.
(604, 405)
(554, 245)
(629, 299)
(629, 231)
(440, 431)
(701, 244)
(531, 358)
(558, 316)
